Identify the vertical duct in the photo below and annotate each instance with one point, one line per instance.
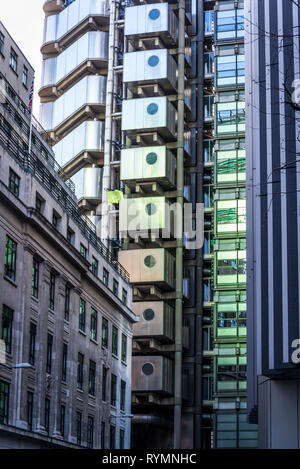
(108, 124)
(179, 245)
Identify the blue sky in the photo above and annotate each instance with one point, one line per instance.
(24, 20)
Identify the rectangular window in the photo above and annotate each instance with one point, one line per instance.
(104, 383)
(105, 276)
(124, 348)
(94, 324)
(70, 235)
(78, 427)
(32, 339)
(35, 278)
(80, 370)
(90, 432)
(39, 203)
(112, 437)
(13, 61)
(95, 266)
(47, 415)
(29, 410)
(64, 362)
(10, 258)
(14, 183)
(7, 326)
(67, 302)
(25, 76)
(92, 377)
(113, 390)
(123, 395)
(122, 438)
(4, 402)
(49, 353)
(52, 291)
(83, 251)
(114, 346)
(115, 287)
(1, 44)
(104, 333)
(62, 420)
(56, 220)
(124, 296)
(102, 435)
(82, 309)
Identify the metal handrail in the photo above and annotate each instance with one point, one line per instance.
(9, 140)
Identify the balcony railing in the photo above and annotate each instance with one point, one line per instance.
(10, 141)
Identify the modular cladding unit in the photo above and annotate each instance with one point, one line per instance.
(148, 97)
(224, 273)
(73, 93)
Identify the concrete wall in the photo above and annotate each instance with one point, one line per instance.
(279, 415)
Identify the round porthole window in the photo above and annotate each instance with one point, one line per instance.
(150, 209)
(154, 14)
(153, 60)
(148, 369)
(150, 261)
(148, 314)
(151, 158)
(152, 109)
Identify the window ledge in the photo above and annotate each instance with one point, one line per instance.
(82, 332)
(13, 70)
(124, 363)
(115, 356)
(10, 280)
(94, 341)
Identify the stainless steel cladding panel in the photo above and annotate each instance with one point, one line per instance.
(150, 66)
(87, 137)
(149, 266)
(152, 374)
(93, 182)
(148, 20)
(88, 183)
(89, 90)
(149, 114)
(56, 26)
(148, 164)
(93, 45)
(156, 319)
(49, 71)
(146, 214)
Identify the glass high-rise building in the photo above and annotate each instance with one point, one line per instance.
(146, 101)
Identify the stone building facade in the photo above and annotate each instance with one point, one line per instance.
(65, 302)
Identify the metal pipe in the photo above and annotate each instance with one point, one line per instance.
(199, 252)
(179, 242)
(108, 124)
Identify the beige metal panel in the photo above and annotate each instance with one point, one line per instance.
(144, 21)
(156, 319)
(149, 266)
(152, 374)
(148, 164)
